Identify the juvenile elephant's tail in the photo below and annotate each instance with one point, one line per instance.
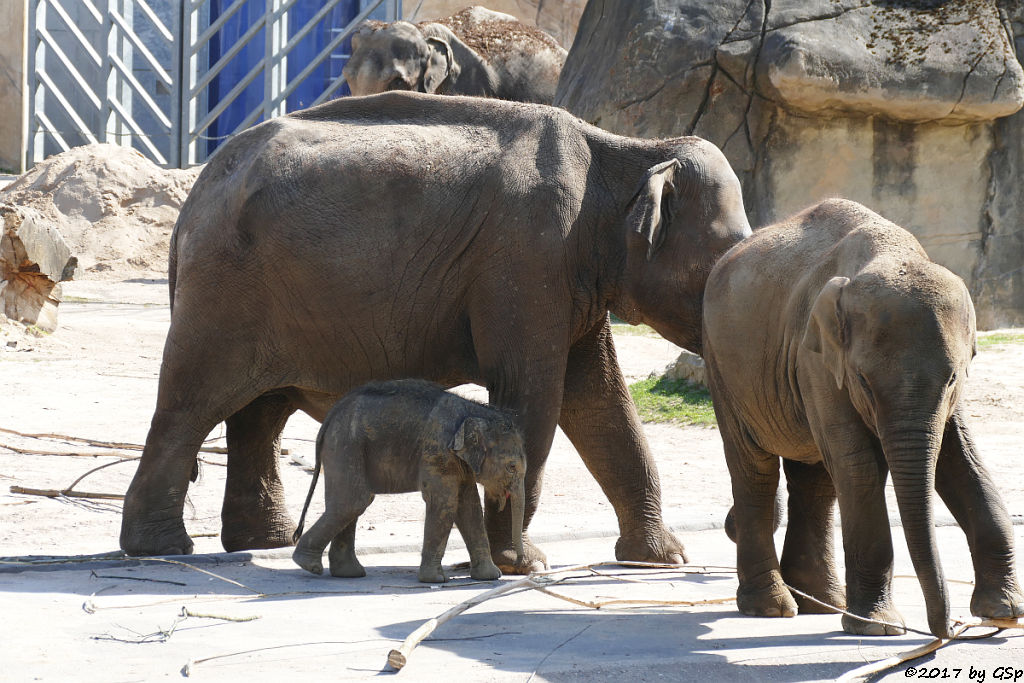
(312, 486)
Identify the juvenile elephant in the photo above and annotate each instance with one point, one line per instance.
(411, 435)
(454, 239)
(475, 52)
(833, 342)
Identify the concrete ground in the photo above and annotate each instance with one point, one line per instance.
(258, 616)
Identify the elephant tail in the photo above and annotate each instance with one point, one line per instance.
(312, 485)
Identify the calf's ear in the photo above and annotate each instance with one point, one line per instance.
(468, 443)
(439, 64)
(826, 332)
(651, 207)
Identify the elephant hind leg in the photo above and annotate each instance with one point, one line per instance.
(808, 556)
(199, 388)
(342, 555)
(254, 514)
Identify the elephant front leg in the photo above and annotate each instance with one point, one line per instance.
(859, 471)
(254, 513)
(599, 418)
(965, 486)
(470, 521)
(755, 481)
(808, 556)
(442, 502)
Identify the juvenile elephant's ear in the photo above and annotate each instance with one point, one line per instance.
(439, 64)
(825, 333)
(651, 209)
(468, 443)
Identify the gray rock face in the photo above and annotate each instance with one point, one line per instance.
(906, 106)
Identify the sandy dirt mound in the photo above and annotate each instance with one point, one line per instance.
(114, 208)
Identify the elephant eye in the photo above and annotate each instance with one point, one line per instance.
(396, 83)
(511, 467)
(952, 380)
(864, 385)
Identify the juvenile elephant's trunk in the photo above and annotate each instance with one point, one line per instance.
(518, 511)
(912, 454)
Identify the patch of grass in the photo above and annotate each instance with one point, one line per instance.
(672, 400)
(1000, 338)
(634, 330)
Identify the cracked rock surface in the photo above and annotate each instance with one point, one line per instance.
(907, 106)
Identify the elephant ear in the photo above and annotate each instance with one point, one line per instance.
(825, 333)
(468, 443)
(440, 61)
(651, 210)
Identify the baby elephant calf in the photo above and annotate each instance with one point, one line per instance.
(408, 435)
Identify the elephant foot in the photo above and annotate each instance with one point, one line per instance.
(348, 570)
(1004, 601)
(264, 525)
(155, 538)
(821, 585)
(309, 560)
(533, 560)
(773, 600)
(485, 571)
(658, 545)
(893, 622)
(431, 574)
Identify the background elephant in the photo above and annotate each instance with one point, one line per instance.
(475, 52)
(410, 435)
(832, 341)
(454, 239)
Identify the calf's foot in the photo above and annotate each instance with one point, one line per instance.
(309, 560)
(485, 571)
(431, 574)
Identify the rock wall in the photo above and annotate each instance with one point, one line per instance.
(907, 106)
(558, 18)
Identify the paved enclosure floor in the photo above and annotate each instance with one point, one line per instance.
(96, 378)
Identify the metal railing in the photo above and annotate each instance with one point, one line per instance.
(138, 73)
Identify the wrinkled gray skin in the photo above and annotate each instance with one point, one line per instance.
(431, 58)
(454, 239)
(410, 435)
(833, 342)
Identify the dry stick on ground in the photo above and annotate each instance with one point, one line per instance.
(104, 444)
(398, 658)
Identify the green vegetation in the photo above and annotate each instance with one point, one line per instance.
(634, 330)
(672, 400)
(1000, 338)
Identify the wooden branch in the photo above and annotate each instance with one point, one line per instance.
(398, 658)
(66, 493)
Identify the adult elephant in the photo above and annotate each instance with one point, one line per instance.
(833, 342)
(449, 238)
(475, 52)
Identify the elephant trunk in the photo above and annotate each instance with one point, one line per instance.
(911, 455)
(518, 512)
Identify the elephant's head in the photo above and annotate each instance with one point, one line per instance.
(493, 449)
(898, 339)
(686, 212)
(397, 56)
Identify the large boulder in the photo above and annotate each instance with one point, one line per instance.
(907, 107)
(558, 18)
(114, 208)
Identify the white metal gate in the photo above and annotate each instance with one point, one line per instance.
(138, 72)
